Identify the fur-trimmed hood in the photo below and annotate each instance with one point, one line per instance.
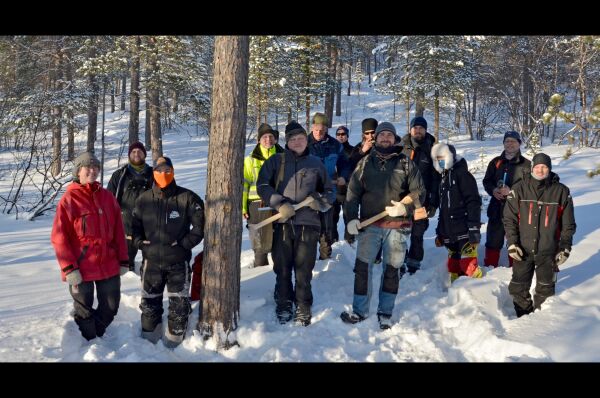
(448, 152)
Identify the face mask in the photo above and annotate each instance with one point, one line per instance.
(442, 164)
(163, 179)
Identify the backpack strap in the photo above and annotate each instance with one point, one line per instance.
(281, 171)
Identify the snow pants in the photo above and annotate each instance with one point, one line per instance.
(177, 279)
(93, 322)
(294, 248)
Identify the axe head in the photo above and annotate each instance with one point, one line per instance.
(323, 204)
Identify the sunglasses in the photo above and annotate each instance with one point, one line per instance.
(339, 134)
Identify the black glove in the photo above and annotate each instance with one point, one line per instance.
(286, 210)
(562, 256)
(439, 241)
(431, 211)
(474, 235)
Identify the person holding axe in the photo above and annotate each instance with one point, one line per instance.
(297, 185)
(387, 186)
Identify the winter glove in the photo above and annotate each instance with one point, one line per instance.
(143, 243)
(562, 256)
(286, 210)
(439, 241)
(515, 252)
(353, 226)
(317, 202)
(397, 210)
(74, 278)
(474, 235)
(431, 211)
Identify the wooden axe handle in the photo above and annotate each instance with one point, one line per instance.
(371, 220)
(277, 216)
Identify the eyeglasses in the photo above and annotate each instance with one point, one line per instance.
(369, 133)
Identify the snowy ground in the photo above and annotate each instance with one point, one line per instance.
(472, 320)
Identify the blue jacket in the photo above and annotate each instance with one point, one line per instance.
(331, 153)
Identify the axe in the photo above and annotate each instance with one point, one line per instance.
(253, 227)
(419, 213)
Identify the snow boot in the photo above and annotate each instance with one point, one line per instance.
(172, 340)
(351, 317)
(87, 327)
(302, 316)
(154, 335)
(385, 321)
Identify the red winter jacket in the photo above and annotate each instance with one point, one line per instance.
(88, 232)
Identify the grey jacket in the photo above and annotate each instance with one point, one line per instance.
(303, 175)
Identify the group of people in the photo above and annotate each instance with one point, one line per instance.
(97, 233)
(410, 179)
(387, 187)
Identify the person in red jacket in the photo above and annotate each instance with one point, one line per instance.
(89, 241)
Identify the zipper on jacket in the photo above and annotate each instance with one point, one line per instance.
(530, 211)
(546, 221)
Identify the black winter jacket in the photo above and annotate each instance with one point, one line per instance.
(539, 216)
(163, 216)
(460, 203)
(127, 185)
(303, 174)
(374, 185)
(514, 169)
(341, 190)
(420, 154)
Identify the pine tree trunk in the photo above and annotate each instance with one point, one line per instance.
(289, 115)
(420, 103)
(147, 130)
(220, 304)
(112, 96)
(70, 116)
(436, 115)
(331, 76)
(154, 102)
(369, 67)
(92, 114)
(123, 90)
(338, 95)
(57, 111)
(134, 95)
(349, 79)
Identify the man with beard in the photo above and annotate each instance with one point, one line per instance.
(380, 182)
(417, 147)
(127, 184)
(503, 172)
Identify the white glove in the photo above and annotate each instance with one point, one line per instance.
(397, 210)
(353, 227)
(515, 252)
(74, 277)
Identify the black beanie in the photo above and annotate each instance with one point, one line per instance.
(266, 129)
(137, 145)
(418, 121)
(293, 128)
(369, 124)
(541, 158)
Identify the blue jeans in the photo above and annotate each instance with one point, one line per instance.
(393, 242)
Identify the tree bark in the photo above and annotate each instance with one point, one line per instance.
(123, 90)
(220, 303)
(70, 115)
(57, 110)
(134, 94)
(436, 115)
(338, 95)
(92, 105)
(420, 103)
(154, 103)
